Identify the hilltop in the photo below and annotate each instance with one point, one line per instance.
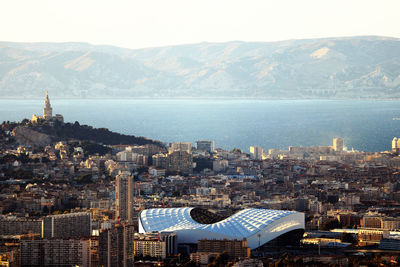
(339, 68)
(42, 133)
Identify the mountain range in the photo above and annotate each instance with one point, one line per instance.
(332, 68)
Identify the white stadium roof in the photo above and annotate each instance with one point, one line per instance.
(258, 226)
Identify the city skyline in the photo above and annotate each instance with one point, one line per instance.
(258, 133)
(122, 202)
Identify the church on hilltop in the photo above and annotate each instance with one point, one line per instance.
(47, 113)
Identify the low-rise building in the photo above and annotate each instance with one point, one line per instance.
(235, 248)
(76, 224)
(180, 162)
(55, 252)
(157, 245)
(18, 226)
(203, 258)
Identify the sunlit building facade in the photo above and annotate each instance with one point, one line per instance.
(208, 146)
(338, 144)
(181, 146)
(256, 152)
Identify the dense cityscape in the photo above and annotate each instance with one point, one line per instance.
(79, 203)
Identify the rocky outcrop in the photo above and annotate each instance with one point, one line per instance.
(27, 136)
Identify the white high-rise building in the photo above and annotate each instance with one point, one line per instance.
(256, 152)
(396, 145)
(338, 144)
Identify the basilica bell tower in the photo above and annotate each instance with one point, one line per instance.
(47, 111)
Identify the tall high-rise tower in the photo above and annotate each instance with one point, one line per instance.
(124, 196)
(116, 246)
(47, 111)
(396, 145)
(256, 152)
(338, 144)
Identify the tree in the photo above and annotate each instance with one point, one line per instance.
(329, 225)
(348, 238)
(190, 264)
(176, 194)
(45, 210)
(24, 157)
(142, 169)
(220, 261)
(25, 121)
(85, 179)
(236, 150)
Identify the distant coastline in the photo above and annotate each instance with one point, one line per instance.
(205, 98)
(359, 67)
(365, 125)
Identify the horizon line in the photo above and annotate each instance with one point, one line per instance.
(203, 42)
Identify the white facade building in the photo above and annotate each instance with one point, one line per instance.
(338, 144)
(256, 152)
(208, 146)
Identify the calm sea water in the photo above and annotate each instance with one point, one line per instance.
(365, 125)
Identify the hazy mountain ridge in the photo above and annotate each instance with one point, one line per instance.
(353, 67)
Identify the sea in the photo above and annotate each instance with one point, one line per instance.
(365, 125)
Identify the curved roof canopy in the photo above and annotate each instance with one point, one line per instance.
(243, 224)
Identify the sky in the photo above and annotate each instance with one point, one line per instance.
(149, 23)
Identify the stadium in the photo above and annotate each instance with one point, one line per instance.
(258, 226)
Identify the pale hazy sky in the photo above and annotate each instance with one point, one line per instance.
(147, 23)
